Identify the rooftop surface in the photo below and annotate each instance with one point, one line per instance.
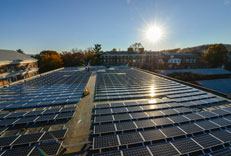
(11, 55)
(128, 112)
(206, 71)
(221, 85)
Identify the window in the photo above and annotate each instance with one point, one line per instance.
(12, 69)
(6, 69)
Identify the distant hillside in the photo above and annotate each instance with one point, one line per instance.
(200, 49)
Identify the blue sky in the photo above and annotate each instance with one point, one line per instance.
(36, 25)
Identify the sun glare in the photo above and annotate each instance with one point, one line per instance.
(153, 33)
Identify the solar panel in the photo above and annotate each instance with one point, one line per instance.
(172, 132)
(105, 141)
(139, 115)
(187, 146)
(191, 128)
(153, 135)
(7, 122)
(67, 109)
(115, 153)
(132, 138)
(18, 151)
(207, 141)
(137, 152)
(194, 117)
(105, 118)
(207, 114)
(222, 122)
(34, 113)
(119, 110)
(117, 105)
(27, 138)
(47, 148)
(3, 116)
(169, 112)
(144, 123)
(162, 121)
(105, 128)
(207, 125)
(125, 126)
(155, 113)
(50, 135)
(222, 153)
(163, 150)
(51, 111)
(119, 117)
(225, 136)
(179, 119)
(183, 110)
(220, 112)
(6, 141)
(46, 117)
(134, 109)
(65, 115)
(102, 111)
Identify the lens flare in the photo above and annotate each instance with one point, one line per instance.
(153, 33)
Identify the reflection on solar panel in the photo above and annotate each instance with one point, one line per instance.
(156, 116)
(61, 87)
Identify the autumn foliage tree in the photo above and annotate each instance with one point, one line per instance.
(49, 60)
(73, 58)
(216, 55)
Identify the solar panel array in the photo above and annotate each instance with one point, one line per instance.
(173, 120)
(61, 87)
(56, 94)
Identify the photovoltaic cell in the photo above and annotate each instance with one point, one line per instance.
(186, 146)
(125, 126)
(207, 125)
(152, 135)
(142, 151)
(18, 151)
(172, 132)
(139, 115)
(222, 135)
(105, 128)
(191, 128)
(105, 141)
(144, 123)
(49, 148)
(207, 114)
(119, 117)
(115, 153)
(178, 119)
(106, 118)
(162, 121)
(130, 138)
(207, 141)
(163, 150)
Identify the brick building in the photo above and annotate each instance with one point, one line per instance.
(151, 60)
(16, 66)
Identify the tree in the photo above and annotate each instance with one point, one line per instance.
(216, 55)
(20, 51)
(73, 58)
(98, 52)
(50, 60)
(49, 52)
(114, 50)
(97, 48)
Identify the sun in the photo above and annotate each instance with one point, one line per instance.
(153, 33)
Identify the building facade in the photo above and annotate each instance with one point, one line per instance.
(151, 60)
(15, 66)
